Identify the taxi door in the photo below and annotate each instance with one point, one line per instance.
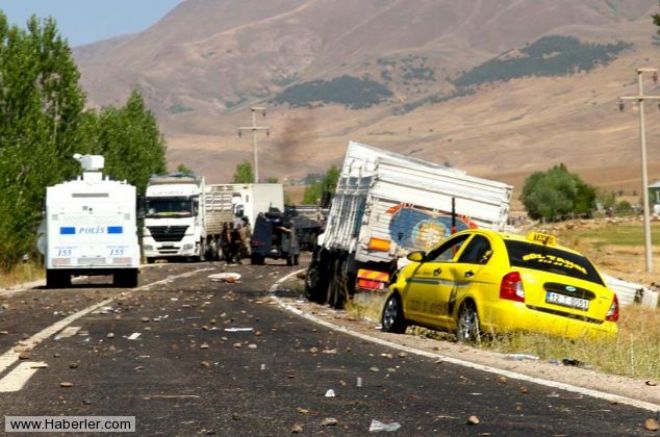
(430, 286)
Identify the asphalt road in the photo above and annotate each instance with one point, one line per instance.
(192, 372)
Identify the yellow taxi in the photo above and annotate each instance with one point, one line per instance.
(487, 282)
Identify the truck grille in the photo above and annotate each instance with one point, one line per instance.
(167, 233)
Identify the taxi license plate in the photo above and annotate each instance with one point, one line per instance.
(567, 301)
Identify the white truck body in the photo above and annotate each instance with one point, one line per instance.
(387, 205)
(253, 199)
(90, 228)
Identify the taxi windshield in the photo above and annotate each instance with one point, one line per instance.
(552, 260)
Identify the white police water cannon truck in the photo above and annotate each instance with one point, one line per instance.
(89, 228)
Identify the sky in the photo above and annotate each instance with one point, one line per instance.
(86, 21)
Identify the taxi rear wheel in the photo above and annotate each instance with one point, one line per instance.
(392, 318)
(468, 329)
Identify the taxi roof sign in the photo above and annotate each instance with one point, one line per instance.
(543, 238)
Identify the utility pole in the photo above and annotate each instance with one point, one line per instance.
(640, 98)
(254, 128)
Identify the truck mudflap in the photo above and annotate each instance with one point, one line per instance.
(372, 280)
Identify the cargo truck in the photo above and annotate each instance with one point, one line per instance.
(89, 228)
(184, 216)
(386, 205)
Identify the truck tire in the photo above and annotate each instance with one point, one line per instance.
(336, 297)
(202, 251)
(316, 279)
(150, 260)
(290, 260)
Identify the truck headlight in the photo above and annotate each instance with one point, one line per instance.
(148, 247)
(187, 247)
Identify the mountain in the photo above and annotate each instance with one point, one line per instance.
(499, 88)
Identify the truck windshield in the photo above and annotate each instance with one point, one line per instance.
(169, 207)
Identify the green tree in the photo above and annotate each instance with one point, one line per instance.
(129, 139)
(184, 169)
(243, 173)
(322, 191)
(557, 194)
(40, 113)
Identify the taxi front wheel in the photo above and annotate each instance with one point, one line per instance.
(468, 329)
(392, 318)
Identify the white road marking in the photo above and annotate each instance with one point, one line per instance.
(67, 332)
(509, 374)
(134, 336)
(16, 379)
(11, 356)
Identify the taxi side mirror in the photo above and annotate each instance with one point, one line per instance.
(417, 256)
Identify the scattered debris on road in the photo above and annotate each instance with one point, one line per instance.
(378, 426)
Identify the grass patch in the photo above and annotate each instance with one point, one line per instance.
(611, 234)
(635, 352)
(26, 272)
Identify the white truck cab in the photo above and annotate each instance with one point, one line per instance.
(89, 228)
(174, 222)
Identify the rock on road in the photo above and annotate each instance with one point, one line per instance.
(189, 356)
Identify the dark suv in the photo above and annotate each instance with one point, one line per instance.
(274, 237)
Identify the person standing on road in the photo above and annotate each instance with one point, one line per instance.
(235, 244)
(225, 242)
(246, 235)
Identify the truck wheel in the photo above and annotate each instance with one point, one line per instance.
(202, 251)
(296, 260)
(289, 260)
(312, 282)
(256, 260)
(150, 260)
(336, 294)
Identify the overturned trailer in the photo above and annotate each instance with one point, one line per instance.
(387, 205)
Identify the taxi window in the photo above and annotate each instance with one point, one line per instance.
(447, 250)
(478, 251)
(553, 260)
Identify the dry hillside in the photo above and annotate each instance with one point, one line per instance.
(204, 64)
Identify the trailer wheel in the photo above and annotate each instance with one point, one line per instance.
(337, 287)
